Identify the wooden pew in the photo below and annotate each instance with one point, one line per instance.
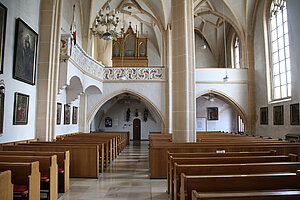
(63, 164)
(158, 152)
(227, 154)
(84, 159)
(6, 187)
(225, 160)
(228, 169)
(47, 167)
(24, 174)
(253, 195)
(248, 182)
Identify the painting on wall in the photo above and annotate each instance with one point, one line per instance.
(25, 53)
(264, 116)
(278, 115)
(74, 115)
(67, 112)
(294, 114)
(58, 113)
(212, 113)
(21, 107)
(1, 111)
(3, 14)
(108, 122)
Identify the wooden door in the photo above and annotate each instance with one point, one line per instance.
(136, 129)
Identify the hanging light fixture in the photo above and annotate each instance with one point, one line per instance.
(226, 78)
(106, 19)
(203, 45)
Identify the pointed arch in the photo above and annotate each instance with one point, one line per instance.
(238, 108)
(129, 91)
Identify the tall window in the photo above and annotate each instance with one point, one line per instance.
(236, 52)
(241, 125)
(280, 51)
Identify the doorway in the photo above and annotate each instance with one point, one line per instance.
(136, 130)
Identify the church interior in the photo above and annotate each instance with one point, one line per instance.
(149, 99)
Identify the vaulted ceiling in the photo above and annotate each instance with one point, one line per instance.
(152, 17)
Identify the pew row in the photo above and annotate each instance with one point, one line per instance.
(240, 182)
(229, 169)
(47, 167)
(25, 177)
(63, 164)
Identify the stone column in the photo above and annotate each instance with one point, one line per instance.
(168, 67)
(48, 68)
(83, 124)
(183, 83)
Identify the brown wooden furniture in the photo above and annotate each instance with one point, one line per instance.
(25, 178)
(47, 167)
(6, 187)
(237, 183)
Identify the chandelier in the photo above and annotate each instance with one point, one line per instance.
(106, 19)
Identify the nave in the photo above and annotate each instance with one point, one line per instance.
(126, 178)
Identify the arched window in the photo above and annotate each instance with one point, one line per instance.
(236, 52)
(279, 51)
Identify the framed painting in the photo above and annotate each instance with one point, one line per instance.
(3, 15)
(212, 113)
(67, 111)
(108, 122)
(264, 116)
(21, 107)
(294, 114)
(25, 53)
(58, 113)
(75, 115)
(278, 118)
(1, 111)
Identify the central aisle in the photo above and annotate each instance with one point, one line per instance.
(126, 178)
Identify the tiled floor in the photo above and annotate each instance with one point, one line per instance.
(126, 178)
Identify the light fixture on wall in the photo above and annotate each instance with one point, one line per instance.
(106, 19)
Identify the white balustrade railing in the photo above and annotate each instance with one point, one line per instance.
(135, 73)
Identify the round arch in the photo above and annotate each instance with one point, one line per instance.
(229, 101)
(132, 92)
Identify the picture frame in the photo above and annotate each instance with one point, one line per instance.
(278, 115)
(2, 97)
(3, 17)
(212, 113)
(25, 53)
(108, 122)
(294, 114)
(58, 113)
(75, 115)
(67, 113)
(264, 116)
(21, 108)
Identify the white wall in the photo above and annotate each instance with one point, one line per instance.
(227, 119)
(203, 57)
(271, 130)
(62, 128)
(119, 123)
(29, 13)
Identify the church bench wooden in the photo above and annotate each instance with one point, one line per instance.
(105, 153)
(214, 154)
(47, 167)
(247, 195)
(63, 164)
(225, 160)
(84, 159)
(6, 187)
(220, 183)
(25, 177)
(228, 169)
(158, 152)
